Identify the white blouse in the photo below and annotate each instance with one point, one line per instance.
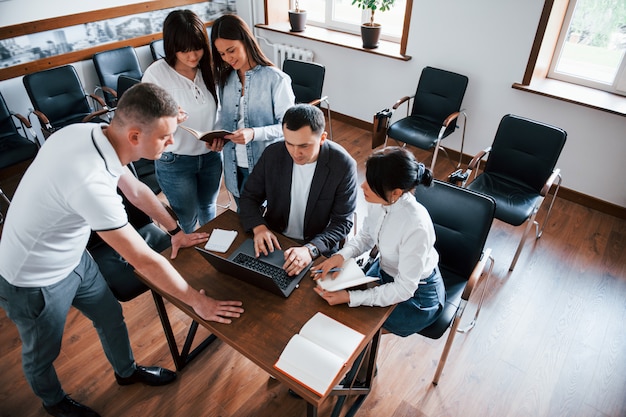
(193, 97)
(405, 237)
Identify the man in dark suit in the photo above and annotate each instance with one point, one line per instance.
(309, 185)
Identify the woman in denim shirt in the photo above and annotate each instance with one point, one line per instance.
(253, 94)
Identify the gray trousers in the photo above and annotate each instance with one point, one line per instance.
(40, 314)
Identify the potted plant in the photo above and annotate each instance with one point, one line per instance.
(370, 31)
(297, 18)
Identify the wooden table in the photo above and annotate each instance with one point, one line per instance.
(269, 321)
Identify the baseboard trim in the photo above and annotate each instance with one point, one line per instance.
(564, 193)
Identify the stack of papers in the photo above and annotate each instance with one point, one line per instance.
(220, 240)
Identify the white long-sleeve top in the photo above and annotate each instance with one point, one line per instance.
(193, 97)
(405, 237)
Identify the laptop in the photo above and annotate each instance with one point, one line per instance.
(264, 272)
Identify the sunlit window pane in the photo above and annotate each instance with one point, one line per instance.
(595, 41)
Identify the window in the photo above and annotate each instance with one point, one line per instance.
(591, 47)
(342, 15)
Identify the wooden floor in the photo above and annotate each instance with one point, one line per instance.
(550, 341)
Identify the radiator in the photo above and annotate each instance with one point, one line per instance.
(282, 52)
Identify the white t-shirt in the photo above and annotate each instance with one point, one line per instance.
(193, 97)
(301, 179)
(69, 189)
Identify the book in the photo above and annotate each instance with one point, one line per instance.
(319, 352)
(207, 136)
(350, 276)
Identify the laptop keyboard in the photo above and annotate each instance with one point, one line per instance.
(278, 275)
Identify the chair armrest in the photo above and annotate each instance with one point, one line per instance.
(22, 119)
(318, 101)
(42, 119)
(451, 118)
(95, 114)
(109, 90)
(26, 127)
(476, 274)
(546, 187)
(473, 164)
(99, 100)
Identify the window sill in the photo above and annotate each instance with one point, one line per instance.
(576, 94)
(332, 37)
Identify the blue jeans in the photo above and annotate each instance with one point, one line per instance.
(40, 313)
(419, 311)
(242, 177)
(191, 185)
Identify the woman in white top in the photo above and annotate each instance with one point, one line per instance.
(402, 230)
(189, 172)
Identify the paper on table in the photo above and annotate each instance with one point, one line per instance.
(220, 240)
(350, 276)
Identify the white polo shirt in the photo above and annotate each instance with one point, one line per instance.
(69, 189)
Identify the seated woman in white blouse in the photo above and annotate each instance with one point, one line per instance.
(402, 230)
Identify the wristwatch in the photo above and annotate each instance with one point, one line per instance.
(312, 250)
(174, 231)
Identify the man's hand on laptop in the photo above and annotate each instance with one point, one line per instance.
(296, 259)
(184, 240)
(215, 310)
(264, 240)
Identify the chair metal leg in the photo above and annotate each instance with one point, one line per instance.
(446, 348)
(545, 220)
(471, 325)
(530, 222)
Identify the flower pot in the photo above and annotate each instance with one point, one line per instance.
(297, 20)
(370, 35)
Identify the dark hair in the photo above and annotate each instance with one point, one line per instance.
(302, 115)
(395, 167)
(233, 27)
(183, 31)
(144, 103)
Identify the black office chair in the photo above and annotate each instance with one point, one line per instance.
(462, 220)
(307, 82)
(125, 285)
(110, 65)
(435, 112)
(14, 147)
(520, 171)
(157, 50)
(59, 99)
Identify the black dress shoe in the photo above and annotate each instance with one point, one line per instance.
(149, 375)
(70, 408)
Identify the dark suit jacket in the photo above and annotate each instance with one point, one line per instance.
(331, 202)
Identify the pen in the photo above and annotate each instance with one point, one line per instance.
(319, 271)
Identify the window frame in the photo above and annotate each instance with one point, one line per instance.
(618, 85)
(276, 20)
(534, 79)
(332, 23)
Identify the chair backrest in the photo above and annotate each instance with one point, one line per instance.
(307, 79)
(156, 49)
(59, 94)
(124, 82)
(525, 151)
(113, 63)
(462, 220)
(7, 127)
(439, 94)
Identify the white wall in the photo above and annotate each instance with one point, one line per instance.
(487, 40)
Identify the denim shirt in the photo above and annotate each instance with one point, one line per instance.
(267, 96)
